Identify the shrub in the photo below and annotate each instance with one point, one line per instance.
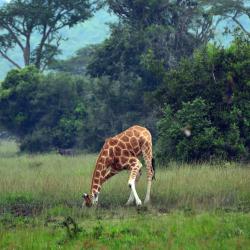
(211, 95)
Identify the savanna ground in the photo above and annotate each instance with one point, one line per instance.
(203, 206)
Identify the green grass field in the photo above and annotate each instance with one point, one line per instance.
(203, 206)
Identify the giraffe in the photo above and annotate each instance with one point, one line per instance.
(119, 153)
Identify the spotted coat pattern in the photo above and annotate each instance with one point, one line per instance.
(121, 152)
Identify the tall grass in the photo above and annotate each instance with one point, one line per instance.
(201, 206)
(54, 179)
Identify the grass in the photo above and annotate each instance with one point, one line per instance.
(173, 231)
(203, 206)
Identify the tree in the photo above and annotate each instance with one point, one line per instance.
(170, 29)
(231, 10)
(43, 112)
(164, 31)
(188, 134)
(77, 64)
(210, 95)
(21, 19)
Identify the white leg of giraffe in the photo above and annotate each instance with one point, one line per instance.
(147, 198)
(147, 155)
(131, 183)
(137, 199)
(131, 198)
(149, 181)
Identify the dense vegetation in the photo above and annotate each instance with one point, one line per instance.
(157, 70)
(210, 96)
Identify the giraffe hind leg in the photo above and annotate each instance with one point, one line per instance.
(147, 155)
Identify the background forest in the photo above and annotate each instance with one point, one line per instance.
(160, 67)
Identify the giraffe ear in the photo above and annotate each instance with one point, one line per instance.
(85, 195)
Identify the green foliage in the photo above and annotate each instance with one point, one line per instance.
(158, 30)
(77, 64)
(17, 93)
(174, 144)
(43, 111)
(112, 106)
(170, 29)
(21, 19)
(210, 94)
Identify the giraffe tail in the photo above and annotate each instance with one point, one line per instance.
(153, 166)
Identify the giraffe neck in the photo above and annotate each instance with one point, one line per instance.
(98, 175)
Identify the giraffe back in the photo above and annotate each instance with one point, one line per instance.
(133, 142)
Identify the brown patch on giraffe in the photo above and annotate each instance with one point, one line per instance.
(121, 144)
(129, 133)
(141, 141)
(133, 142)
(132, 160)
(125, 153)
(105, 153)
(113, 142)
(125, 138)
(102, 160)
(129, 147)
(108, 161)
(95, 187)
(111, 152)
(124, 160)
(97, 174)
(96, 180)
(99, 166)
(137, 150)
(118, 151)
(103, 173)
(117, 166)
(136, 133)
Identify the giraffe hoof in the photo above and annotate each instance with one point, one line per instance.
(138, 203)
(146, 202)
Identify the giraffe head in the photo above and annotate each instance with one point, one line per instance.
(89, 200)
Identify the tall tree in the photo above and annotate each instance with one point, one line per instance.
(21, 19)
(232, 10)
(169, 29)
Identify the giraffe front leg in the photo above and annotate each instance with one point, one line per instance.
(131, 198)
(131, 183)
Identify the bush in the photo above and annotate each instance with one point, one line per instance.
(44, 112)
(211, 95)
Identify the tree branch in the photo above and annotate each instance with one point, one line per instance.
(240, 25)
(234, 18)
(6, 26)
(9, 59)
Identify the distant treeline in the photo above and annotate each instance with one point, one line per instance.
(157, 69)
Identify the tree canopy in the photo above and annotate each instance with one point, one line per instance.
(21, 19)
(159, 68)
